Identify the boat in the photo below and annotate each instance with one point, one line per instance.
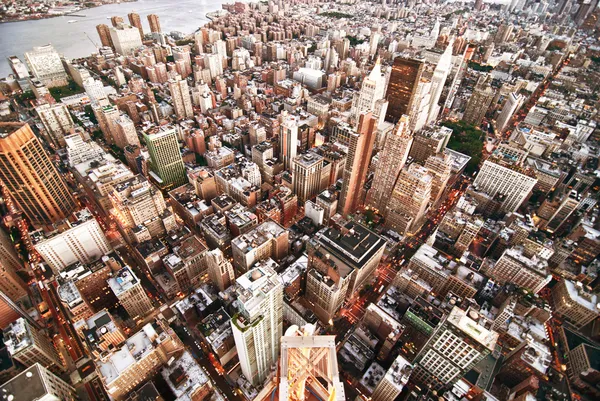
(71, 21)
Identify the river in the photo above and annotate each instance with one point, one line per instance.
(69, 39)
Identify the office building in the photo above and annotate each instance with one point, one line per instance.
(165, 156)
(125, 133)
(136, 22)
(37, 383)
(46, 66)
(78, 240)
(307, 175)
(575, 303)
(309, 360)
(394, 380)
(30, 176)
(439, 167)
(10, 283)
(357, 164)
(57, 121)
(289, 139)
(180, 97)
(131, 294)
(29, 345)
(402, 86)
(460, 341)
(370, 98)
(258, 325)
(126, 39)
(104, 34)
(154, 23)
(391, 161)
(438, 80)
(509, 183)
(429, 142)
(515, 267)
(409, 200)
(95, 90)
(268, 240)
(513, 102)
(478, 104)
(220, 269)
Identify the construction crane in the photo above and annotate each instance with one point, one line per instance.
(90, 39)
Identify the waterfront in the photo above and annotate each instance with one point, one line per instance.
(69, 39)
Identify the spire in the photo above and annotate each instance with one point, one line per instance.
(376, 71)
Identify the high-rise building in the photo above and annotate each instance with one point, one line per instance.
(409, 200)
(95, 90)
(513, 102)
(116, 20)
(125, 38)
(258, 325)
(575, 303)
(309, 360)
(10, 283)
(154, 23)
(509, 182)
(439, 167)
(57, 121)
(180, 96)
(220, 269)
(516, 268)
(30, 177)
(357, 163)
(268, 240)
(307, 175)
(440, 74)
(46, 66)
(107, 117)
(81, 240)
(478, 104)
(371, 94)
(38, 384)
(104, 34)
(125, 132)
(29, 345)
(402, 86)
(460, 341)
(136, 22)
(131, 294)
(289, 139)
(396, 377)
(167, 165)
(391, 161)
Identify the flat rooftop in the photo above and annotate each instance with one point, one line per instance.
(354, 245)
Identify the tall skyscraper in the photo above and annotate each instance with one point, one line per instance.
(289, 139)
(478, 104)
(125, 132)
(131, 294)
(371, 94)
(220, 269)
(30, 177)
(104, 34)
(167, 165)
(180, 96)
(309, 360)
(154, 23)
(513, 102)
(29, 345)
(440, 74)
(402, 86)
(45, 64)
(125, 38)
(307, 175)
(460, 341)
(81, 240)
(107, 117)
(440, 168)
(409, 200)
(391, 161)
(511, 182)
(357, 163)
(10, 283)
(136, 22)
(258, 326)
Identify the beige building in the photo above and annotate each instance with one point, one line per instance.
(38, 384)
(131, 294)
(575, 303)
(268, 240)
(29, 345)
(220, 270)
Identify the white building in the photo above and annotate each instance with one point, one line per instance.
(56, 119)
(513, 102)
(95, 90)
(45, 64)
(258, 327)
(37, 384)
(371, 91)
(125, 38)
(130, 293)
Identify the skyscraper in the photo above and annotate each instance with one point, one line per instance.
(180, 96)
(357, 164)
(154, 23)
(220, 269)
(167, 165)
(478, 104)
(29, 345)
(440, 74)
(371, 94)
(136, 22)
(10, 283)
(307, 175)
(402, 86)
(125, 39)
(30, 177)
(513, 102)
(309, 360)
(45, 64)
(258, 325)
(289, 139)
(396, 377)
(440, 168)
(391, 161)
(460, 341)
(47, 386)
(104, 34)
(125, 132)
(409, 200)
(131, 294)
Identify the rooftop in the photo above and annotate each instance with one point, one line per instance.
(123, 281)
(27, 386)
(355, 245)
